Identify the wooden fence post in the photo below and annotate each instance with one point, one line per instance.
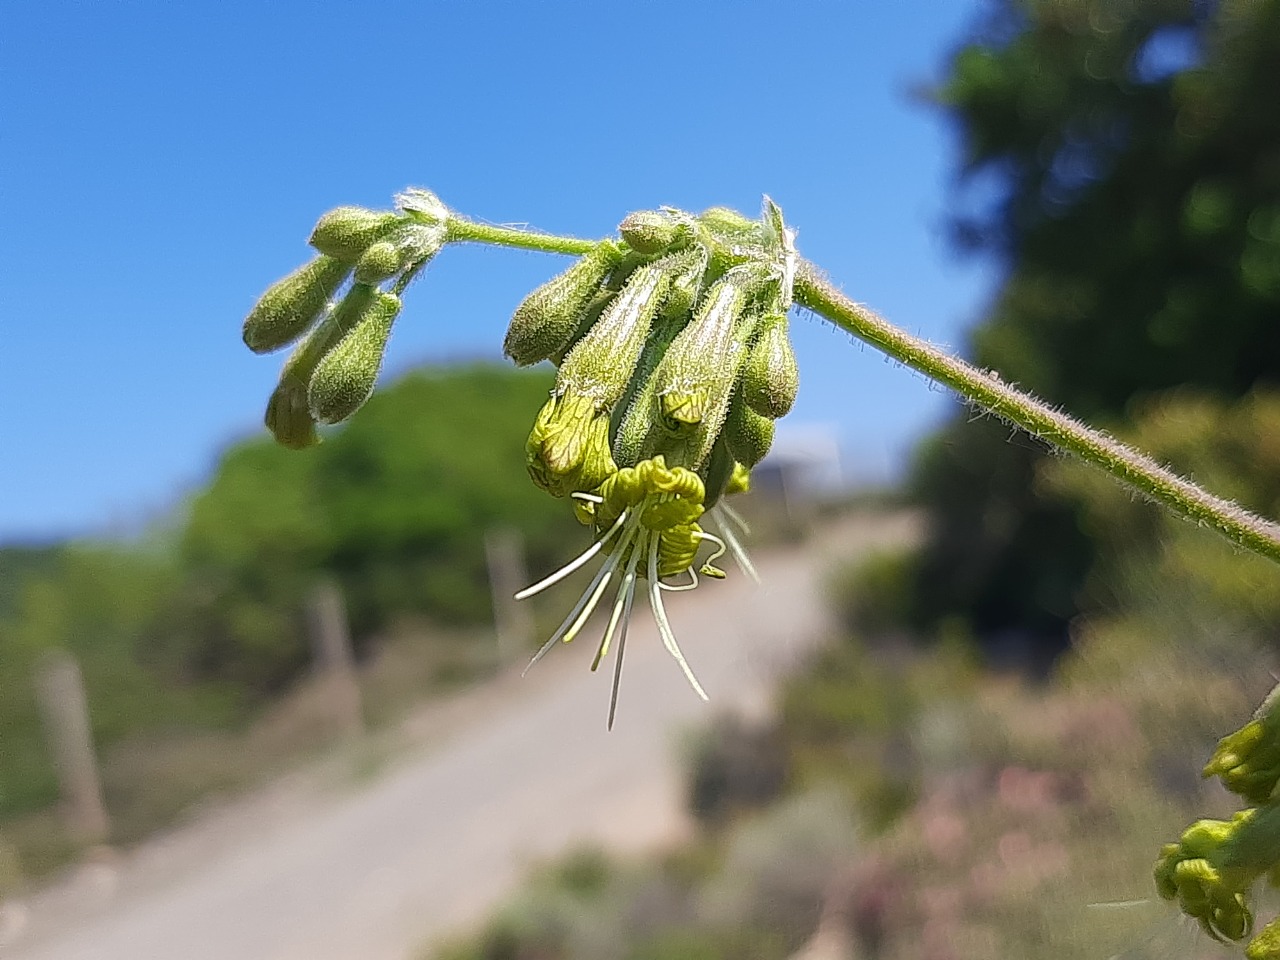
(65, 712)
(334, 661)
(512, 620)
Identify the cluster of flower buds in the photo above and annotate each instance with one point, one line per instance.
(1213, 868)
(341, 306)
(674, 362)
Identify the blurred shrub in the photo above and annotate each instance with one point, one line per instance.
(394, 505)
(734, 765)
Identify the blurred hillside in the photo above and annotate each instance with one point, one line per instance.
(188, 639)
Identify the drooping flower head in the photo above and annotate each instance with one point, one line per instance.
(663, 404)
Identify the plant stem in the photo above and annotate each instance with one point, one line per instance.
(459, 230)
(985, 388)
(1039, 419)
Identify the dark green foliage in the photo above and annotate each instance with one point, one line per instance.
(1138, 213)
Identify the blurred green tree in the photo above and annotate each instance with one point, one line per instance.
(1122, 160)
(394, 505)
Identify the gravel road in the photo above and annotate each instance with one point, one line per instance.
(376, 852)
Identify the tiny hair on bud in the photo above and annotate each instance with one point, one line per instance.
(344, 379)
(345, 233)
(291, 305)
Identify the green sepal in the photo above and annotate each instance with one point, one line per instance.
(291, 305)
(345, 378)
(346, 232)
(718, 472)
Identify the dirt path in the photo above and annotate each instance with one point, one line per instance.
(369, 858)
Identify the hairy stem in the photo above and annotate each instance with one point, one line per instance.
(978, 386)
(1039, 419)
(459, 230)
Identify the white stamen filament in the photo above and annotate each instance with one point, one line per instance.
(569, 628)
(664, 626)
(628, 590)
(574, 564)
(734, 517)
(691, 585)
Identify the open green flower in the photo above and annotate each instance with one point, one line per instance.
(645, 518)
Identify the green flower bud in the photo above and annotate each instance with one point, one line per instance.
(288, 414)
(648, 231)
(345, 377)
(1248, 760)
(290, 306)
(547, 318)
(697, 374)
(381, 260)
(638, 429)
(410, 243)
(601, 364)
(729, 222)
(770, 376)
(1266, 945)
(747, 434)
(568, 448)
(345, 233)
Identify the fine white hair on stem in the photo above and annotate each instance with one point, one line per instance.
(574, 564)
(664, 626)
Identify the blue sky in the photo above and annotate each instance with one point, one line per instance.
(162, 163)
